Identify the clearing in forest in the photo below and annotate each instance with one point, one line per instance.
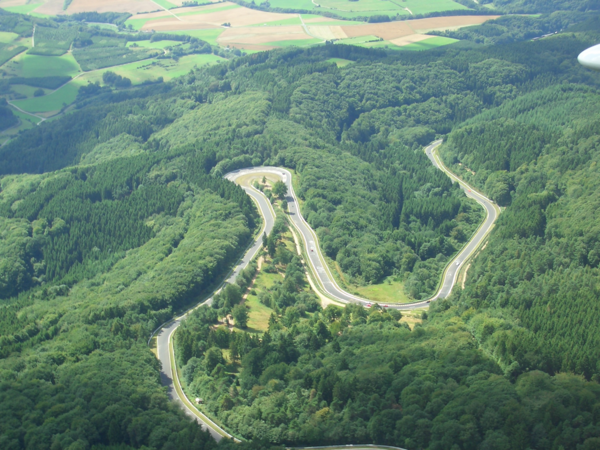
(427, 44)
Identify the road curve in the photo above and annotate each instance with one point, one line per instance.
(319, 267)
(165, 332)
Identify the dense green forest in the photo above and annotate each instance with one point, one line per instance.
(540, 304)
(115, 217)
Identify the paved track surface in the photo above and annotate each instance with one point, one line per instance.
(164, 335)
(319, 267)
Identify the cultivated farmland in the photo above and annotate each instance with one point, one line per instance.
(53, 41)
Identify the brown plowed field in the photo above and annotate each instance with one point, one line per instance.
(261, 35)
(393, 30)
(411, 39)
(238, 17)
(130, 6)
(9, 3)
(327, 32)
(51, 7)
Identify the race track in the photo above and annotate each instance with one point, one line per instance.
(319, 268)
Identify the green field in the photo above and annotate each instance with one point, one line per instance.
(359, 41)
(296, 4)
(9, 51)
(387, 292)
(207, 10)
(428, 6)
(52, 102)
(23, 9)
(27, 121)
(258, 320)
(296, 43)
(291, 21)
(6, 37)
(137, 72)
(26, 90)
(36, 66)
(340, 62)
(210, 35)
(428, 44)
(348, 9)
(165, 4)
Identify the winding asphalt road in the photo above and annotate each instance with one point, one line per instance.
(165, 332)
(318, 265)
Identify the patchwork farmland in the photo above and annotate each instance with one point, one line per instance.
(157, 40)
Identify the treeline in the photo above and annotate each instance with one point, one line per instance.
(7, 118)
(373, 18)
(537, 6)
(515, 28)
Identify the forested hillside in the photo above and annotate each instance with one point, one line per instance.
(115, 217)
(546, 250)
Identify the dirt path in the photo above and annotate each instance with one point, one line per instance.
(167, 10)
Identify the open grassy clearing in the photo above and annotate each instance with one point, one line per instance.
(27, 91)
(259, 314)
(7, 36)
(9, 51)
(51, 102)
(428, 44)
(340, 62)
(33, 66)
(209, 35)
(389, 291)
(138, 72)
(412, 318)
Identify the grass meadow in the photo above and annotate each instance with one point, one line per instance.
(427, 44)
(389, 291)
